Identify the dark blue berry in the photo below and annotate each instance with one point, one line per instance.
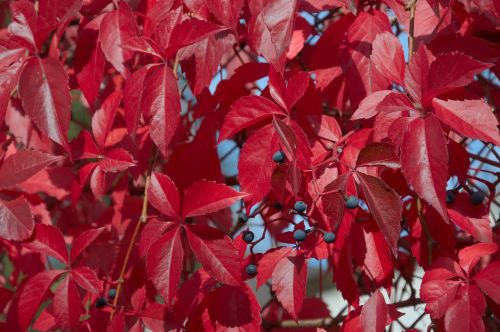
(450, 196)
(279, 157)
(248, 236)
(251, 269)
(351, 202)
(300, 206)
(101, 302)
(476, 197)
(299, 235)
(278, 206)
(329, 237)
(112, 293)
(243, 218)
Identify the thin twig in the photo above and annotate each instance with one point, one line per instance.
(411, 32)
(484, 160)
(142, 220)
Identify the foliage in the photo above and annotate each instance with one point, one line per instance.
(121, 120)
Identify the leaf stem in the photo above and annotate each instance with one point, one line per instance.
(411, 32)
(142, 220)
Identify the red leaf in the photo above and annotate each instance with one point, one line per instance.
(325, 127)
(163, 195)
(116, 160)
(295, 179)
(471, 218)
(83, 240)
(287, 138)
(49, 241)
(152, 231)
(8, 80)
(44, 92)
(439, 295)
(301, 32)
(385, 206)
(488, 279)
(368, 107)
(189, 295)
(465, 314)
(417, 71)
(268, 263)
(143, 45)
(332, 203)
(54, 181)
(424, 161)
(155, 317)
(488, 9)
(87, 279)
(24, 28)
(23, 24)
(44, 322)
(374, 313)
(344, 278)
(102, 121)
(451, 71)
(161, 101)
(198, 203)
(377, 261)
(98, 182)
(361, 75)
(199, 157)
(216, 253)
(461, 161)
(246, 112)
(22, 165)
(444, 268)
(164, 264)
(117, 27)
(226, 11)
(138, 299)
(378, 154)
(296, 88)
(161, 21)
(84, 147)
(201, 60)
(271, 29)
(191, 31)
(66, 306)
(471, 118)
(277, 88)
(479, 228)
(388, 57)
(255, 166)
(132, 99)
(54, 12)
(17, 222)
(470, 256)
(231, 306)
(289, 282)
(117, 324)
(325, 53)
(89, 60)
(33, 294)
(388, 107)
